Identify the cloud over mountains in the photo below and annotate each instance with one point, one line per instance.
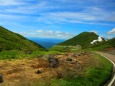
(111, 31)
(47, 34)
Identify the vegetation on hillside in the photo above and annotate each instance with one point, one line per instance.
(75, 67)
(82, 39)
(88, 69)
(95, 75)
(14, 41)
(104, 45)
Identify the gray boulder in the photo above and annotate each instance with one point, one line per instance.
(53, 62)
(74, 55)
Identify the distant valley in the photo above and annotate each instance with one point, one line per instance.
(46, 42)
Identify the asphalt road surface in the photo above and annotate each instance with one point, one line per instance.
(112, 58)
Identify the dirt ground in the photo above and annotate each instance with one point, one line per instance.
(24, 71)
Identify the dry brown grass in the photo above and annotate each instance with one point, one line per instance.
(23, 72)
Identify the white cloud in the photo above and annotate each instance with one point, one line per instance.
(47, 34)
(10, 2)
(44, 12)
(111, 31)
(91, 15)
(39, 31)
(64, 16)
(58, 32)
(16, 18)
(28, 8)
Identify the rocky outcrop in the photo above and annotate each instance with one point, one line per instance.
(53, 62)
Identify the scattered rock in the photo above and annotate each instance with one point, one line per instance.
(53, 62)
(74, 55)
(1, 78)
(68, 59)
(38, 72)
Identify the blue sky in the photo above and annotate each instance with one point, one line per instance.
(58, 18)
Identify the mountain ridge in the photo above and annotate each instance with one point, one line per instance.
(10, 41)
(89, 40)
(82, 39)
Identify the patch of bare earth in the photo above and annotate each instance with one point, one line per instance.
(27, 71)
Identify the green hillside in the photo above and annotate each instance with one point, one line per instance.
(105, 44)
(14, 41)
(82, 39)
(112, 42)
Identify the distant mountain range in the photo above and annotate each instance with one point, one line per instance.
(13, 41)
(46, 42)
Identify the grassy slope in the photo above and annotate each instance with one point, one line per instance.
(13, 45)
(11, 41)
(82, 39)
(105, 44)
(95, 75)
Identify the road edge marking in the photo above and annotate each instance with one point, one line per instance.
(113, 79)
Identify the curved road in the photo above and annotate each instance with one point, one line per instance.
(111, 58)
